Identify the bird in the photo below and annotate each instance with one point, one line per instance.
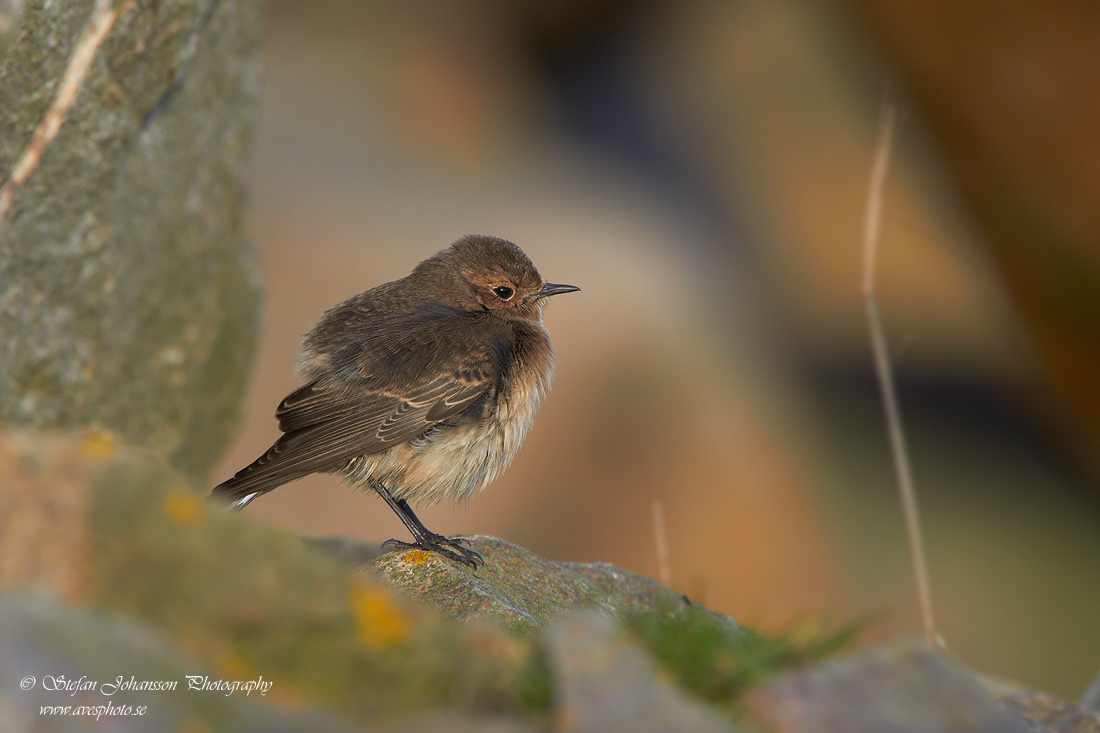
(420, 389)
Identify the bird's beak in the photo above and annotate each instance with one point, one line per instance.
(555, 289)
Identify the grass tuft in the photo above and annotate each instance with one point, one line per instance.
(717, 661)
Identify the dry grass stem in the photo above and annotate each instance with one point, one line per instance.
(95, 33)
(871, 226)
(664, 567)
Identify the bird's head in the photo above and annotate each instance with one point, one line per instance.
(482, 273)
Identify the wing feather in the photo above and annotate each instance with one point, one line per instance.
(328, 424)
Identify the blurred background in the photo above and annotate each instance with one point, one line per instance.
(700, 168)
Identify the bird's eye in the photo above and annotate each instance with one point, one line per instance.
(504, 292)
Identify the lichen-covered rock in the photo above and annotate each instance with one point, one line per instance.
(522, 591)
(163, 579)
(45, 645)
(129, 294)
(90, 522)
(908, 688)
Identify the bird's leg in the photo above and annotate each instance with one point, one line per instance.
(456, 543)
(425, 538)
(442, 539)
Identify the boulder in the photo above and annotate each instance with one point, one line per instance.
(1046, 713)
(93, 670)
(129, 291)
(608, 684)
(521, 591)
(906, 688)
(110, 566)
(88, 522)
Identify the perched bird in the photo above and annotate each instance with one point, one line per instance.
(420, 389)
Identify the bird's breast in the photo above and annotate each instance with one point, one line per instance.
(517, 404)
(460, 461)
(455, 461)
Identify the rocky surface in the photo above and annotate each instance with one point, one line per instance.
(608, 684)
(109, 567)
(1048, 714)
(908, 688)
(88, 522)
(45, 646)
(129, 295)
(522, 591)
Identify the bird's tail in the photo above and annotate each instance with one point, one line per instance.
(269, 471)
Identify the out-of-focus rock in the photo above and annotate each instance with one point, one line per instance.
(904, 689)
(171, 583)
(128, 289)
(607, 685)
(457, 723)
(522, 591)
(10, 10)
(1048, 714)
(90, 522)
(46, 646)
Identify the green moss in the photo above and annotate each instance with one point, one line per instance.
(717, 662)
(537, 682)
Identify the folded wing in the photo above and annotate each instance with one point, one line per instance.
(329, 423)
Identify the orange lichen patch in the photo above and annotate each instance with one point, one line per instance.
(182, 508)
(99, 446)
(417, 557)
(381, 621)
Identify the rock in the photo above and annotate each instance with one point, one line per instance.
(43, 642)
(1090, 701)
(10, 10)
(457, 723)
(352, 553)
(96, 524)
(606, 684)
(521, 591)
(128, 290)
(136, 575)
(1047, 714)
(908, 688)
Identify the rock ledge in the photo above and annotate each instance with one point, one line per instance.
(521, 590)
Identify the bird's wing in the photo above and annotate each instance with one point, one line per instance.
(328, 423)
(378, 417)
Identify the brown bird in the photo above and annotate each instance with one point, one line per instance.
(421, 389)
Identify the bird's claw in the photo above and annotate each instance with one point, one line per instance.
(451, 549)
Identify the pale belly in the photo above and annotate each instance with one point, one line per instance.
(454, 462)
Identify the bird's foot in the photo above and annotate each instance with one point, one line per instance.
(453, 549)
